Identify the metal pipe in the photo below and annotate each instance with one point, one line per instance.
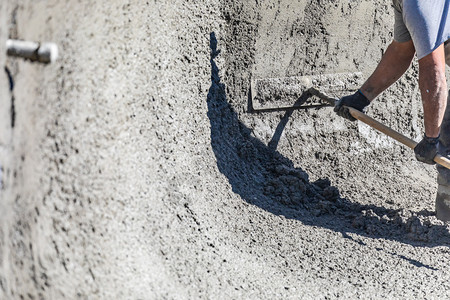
(44, 53)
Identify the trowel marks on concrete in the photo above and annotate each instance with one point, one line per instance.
(265, 178)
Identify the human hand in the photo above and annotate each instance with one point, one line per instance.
(357, 101)
(426, 150)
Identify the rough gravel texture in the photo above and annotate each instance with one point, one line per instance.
(132, 169)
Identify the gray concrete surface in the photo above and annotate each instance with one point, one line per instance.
(130, 168)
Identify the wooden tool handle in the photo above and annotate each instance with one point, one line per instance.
(443, 161)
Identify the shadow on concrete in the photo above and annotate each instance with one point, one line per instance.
(265, 178)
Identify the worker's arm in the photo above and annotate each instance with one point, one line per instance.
(394, 63)
(433, 89)
(432, 82)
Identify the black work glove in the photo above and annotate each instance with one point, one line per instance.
(426, 150)
(357, 101)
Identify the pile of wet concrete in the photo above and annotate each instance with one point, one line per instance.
(264, 177)
(142, 175)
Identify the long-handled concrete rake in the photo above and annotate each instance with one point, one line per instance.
(298, 90)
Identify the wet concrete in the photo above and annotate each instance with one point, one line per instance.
(135, 170)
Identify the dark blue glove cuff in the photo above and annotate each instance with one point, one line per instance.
(361, 101)
(431, 140)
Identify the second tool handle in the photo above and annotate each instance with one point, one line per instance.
(443, 161)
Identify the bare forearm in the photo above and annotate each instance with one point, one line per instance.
(434, 103)
(433, 89)
(395, 61)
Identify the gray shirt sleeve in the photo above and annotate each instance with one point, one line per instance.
(401, 33)
(426, 23)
